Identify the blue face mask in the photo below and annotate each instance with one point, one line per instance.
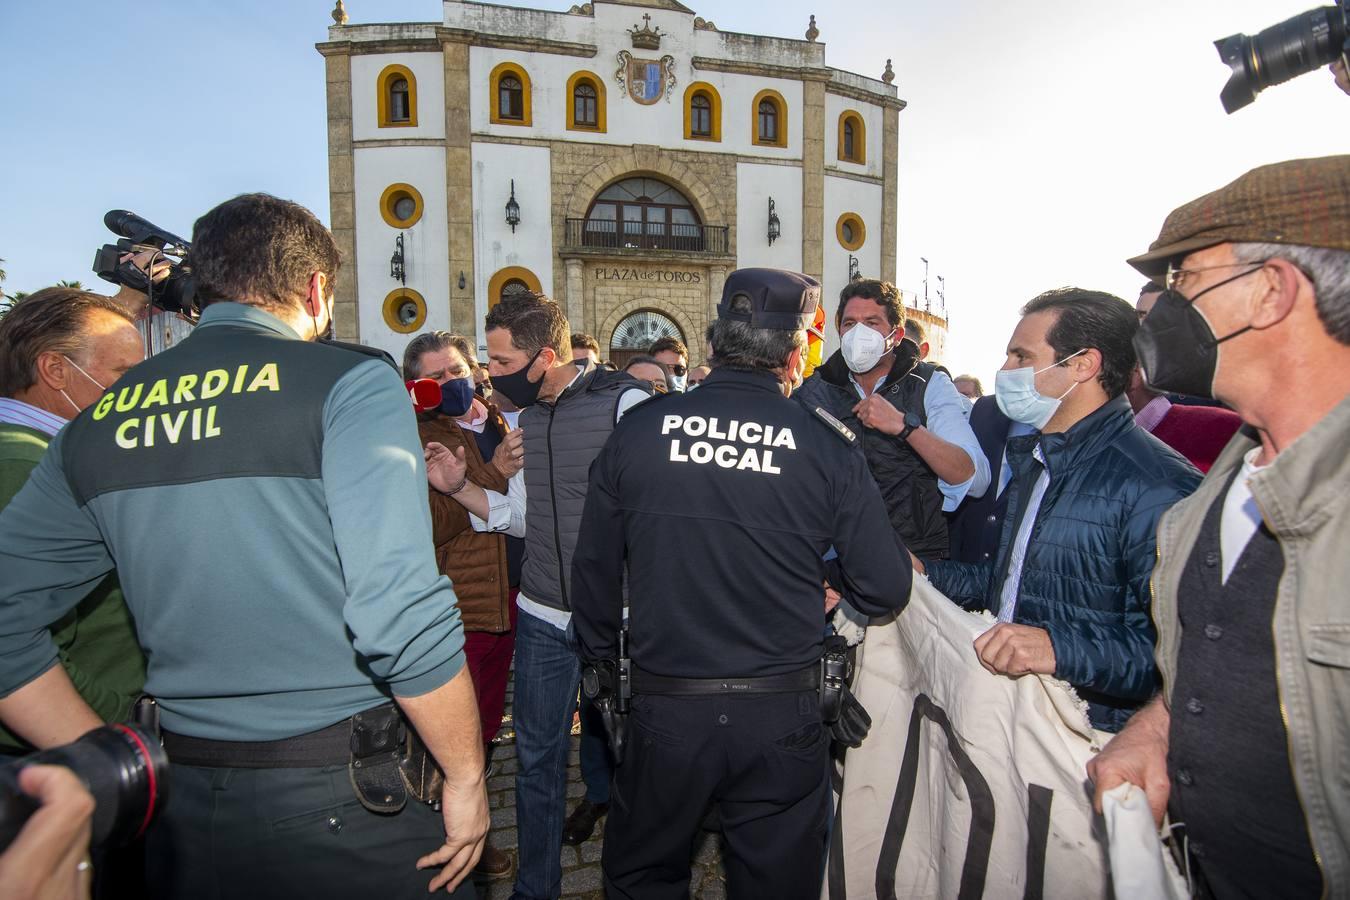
(457, 396)
(1016, 394)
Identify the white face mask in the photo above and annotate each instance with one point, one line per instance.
(677, 383)
(77, 409)
(863, 348)
(1016, 394)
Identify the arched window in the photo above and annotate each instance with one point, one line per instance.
(511, 280)
(586, 102)
(852, 138)
(637, 332)
(643, 213)
(510, 98)
(396, 100)
(702, 112)
(770, 125)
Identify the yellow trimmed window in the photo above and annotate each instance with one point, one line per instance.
(702, 112)
(510, 98)
(852, 138)
(585, 102)
(769, 128)
(396, 98)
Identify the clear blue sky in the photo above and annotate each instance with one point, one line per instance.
(1043, 143)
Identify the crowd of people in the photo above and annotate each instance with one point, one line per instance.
(321, 589)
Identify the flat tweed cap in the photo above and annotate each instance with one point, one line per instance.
(1300, 201)
(779, 298)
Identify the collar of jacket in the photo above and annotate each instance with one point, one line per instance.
(904, 357)
(1305, 484)
(1065, 450)
(756, 378)
(225, 312)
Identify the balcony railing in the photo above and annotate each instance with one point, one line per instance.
(607, 234)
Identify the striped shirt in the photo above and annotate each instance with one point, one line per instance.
(16, 412)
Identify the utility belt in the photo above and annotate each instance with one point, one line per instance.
(385, 759)
(611, 683)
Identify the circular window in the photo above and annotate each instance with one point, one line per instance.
(636, 333)
(851, 231)
(405, 311)
(401, 205)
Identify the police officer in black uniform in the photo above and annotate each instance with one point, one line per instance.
(721, 503)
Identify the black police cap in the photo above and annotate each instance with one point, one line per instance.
(779, 299)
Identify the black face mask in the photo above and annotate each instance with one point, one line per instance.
(517, 387)
(1176, 347)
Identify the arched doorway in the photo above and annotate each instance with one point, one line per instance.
(643, 213)
(637, 332)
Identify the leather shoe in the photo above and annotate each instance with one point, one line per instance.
(581, 823)
(493, 864)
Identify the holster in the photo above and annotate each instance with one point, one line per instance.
(839, 709)
(608, 683)
(376, 767)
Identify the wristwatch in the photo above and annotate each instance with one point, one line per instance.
(912, 421)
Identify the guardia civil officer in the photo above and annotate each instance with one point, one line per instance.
(722, 502)
(263, 498)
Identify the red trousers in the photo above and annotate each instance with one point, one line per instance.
(488, 656)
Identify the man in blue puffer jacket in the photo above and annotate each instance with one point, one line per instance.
(1070, 582)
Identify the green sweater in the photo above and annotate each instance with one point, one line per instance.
(96, 641)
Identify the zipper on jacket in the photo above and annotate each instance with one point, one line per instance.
(553, 501)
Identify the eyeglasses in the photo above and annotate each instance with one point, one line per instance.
(678, 369)
(1175, 278)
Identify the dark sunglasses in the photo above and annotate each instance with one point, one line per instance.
(678, 370)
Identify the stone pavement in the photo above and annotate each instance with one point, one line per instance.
(580, 865)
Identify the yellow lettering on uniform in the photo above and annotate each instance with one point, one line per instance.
(675, 454)
(750, 460)
(127, 443)
(751, 432)
(104, 405)
(784, 439)
(769, 468)
(214, 383)
(173, 426)
(239, 379)
(125, 405)
(197, 424)
(158, 395)
(669, 423)
(725, 456)
(211, 429)
(183, 393)
(267, 378)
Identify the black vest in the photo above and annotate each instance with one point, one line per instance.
(1232, 779)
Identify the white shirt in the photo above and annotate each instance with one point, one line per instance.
(559, 618)
(1007, 605)
(1240, 517)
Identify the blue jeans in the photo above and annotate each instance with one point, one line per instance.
(547, 675)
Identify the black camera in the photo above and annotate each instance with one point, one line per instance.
(122, 766)
(1300, 44)
(175, 293)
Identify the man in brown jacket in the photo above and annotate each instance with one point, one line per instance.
(471, 551)
(1246, 745)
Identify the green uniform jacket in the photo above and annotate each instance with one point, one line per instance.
(96, 641)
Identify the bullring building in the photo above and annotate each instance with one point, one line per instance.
(622, 157)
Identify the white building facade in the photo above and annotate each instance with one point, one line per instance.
(621, 157)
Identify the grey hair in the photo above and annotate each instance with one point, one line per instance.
(1326, 268)
(427, 342)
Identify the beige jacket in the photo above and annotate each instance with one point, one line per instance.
(1304, 497)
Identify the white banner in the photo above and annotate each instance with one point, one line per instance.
(969, 784)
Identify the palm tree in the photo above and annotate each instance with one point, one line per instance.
(75, 285)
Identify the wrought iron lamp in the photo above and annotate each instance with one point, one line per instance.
(396, 267)
(513, 209)
(775, 227)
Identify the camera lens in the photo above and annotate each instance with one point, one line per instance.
(123, 767)
(1295, 46)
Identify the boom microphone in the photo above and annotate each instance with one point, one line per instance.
(133, 227)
